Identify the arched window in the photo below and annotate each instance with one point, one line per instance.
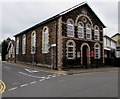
(17, 46)
(45, 40)
(88, 32)
(80, 30)
(97, 51)
(96, 33)
(70, 49)
(23, 44)
(70, 28)
(33, 42)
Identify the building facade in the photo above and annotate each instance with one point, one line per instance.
(11, 51)
(116, 37)
(109, 47)
(73, 38)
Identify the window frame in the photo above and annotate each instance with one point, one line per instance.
(17, 46)
(45, 40)
(73, 47)
(96, 34)
(70, 30)
(89, 29)
(98, 53)
(24, 44)
(82, 28)
(33, 42)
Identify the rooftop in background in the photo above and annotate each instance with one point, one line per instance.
(115, 35)
(109, 38)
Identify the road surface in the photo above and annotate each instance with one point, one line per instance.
(26, 82)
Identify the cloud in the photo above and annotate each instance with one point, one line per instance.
(18, 16)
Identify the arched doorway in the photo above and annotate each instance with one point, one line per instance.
(85, 55)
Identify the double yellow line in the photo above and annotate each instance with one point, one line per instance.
(2, 86)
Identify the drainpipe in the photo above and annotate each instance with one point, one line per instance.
(56, 67)
(15, 50)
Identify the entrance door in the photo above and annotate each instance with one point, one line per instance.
(85, 54)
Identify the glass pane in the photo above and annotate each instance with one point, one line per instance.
(70, 49)
(70, 55)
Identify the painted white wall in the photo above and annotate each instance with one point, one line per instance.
(0, 57)
(118, 54)
(109, 44)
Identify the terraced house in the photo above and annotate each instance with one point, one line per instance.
(73, 38)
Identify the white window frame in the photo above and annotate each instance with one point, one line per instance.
(73, 46)
(70, 24)
(80, 28)
(96, 33)
(17, 46)
(97, 51)
(24, 44)
(88, 28)
(33, 42)
(45, 40)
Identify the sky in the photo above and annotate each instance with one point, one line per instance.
(18, 15)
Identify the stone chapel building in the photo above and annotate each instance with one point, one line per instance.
(72, 38)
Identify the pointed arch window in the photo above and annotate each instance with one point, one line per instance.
(45, 47)
(70, 28)
(33, 42)
(96, 33)
(88, 31)
(24, 44)
(80, 30)
(97, 51)
(17, 46)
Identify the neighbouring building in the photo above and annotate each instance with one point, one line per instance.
(11, 51)
(0, 57)
(72, 38)
(109, 47)
(116, 37)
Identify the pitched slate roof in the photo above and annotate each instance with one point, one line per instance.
(57, 16)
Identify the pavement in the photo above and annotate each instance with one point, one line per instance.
(70, 71)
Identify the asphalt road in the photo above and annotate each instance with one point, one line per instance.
(26, 82)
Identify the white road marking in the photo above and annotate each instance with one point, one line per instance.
(22, 73)
(31, 75)
(31, 71)
(47, 78)
(41, 79)
(58, 75)
(33, 82)
(64, 74)
(35, 76)
(6, 67)
(12, 89)
(49, 75)
(54, 76)
(24, 85)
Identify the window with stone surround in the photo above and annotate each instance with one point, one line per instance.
(45, 40)
(70, 49)
(96, 33)
(24, 44)
(88, 31)
(33, 42)
(80, 30)
(97, 51)
(17, 46)
(70, 28)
